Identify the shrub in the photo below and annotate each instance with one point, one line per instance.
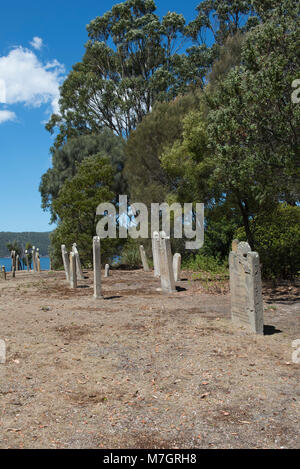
(277, 240)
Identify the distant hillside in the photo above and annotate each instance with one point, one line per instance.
(40, 240)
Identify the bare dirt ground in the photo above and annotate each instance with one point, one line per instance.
(140, 369)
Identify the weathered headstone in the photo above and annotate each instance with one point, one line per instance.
(34, 259)
(66, 261)
(3, 273)
(155, 252)
(166, 264)
(78, 263)
(13, 263)
(106, 274)
(2, 352)
(235, 244)
(13, 260)
(177, 266)
(73, 272)
(27, 260)
(246, 288)
(97, 267)
(144, 259)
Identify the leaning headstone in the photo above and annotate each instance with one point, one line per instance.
(97, 267)
(144, 259)
(106, 274)
(177, 266)
(155, 252)
(66, 261)
(78, 263)
(73, 272)
(246, 288)
(166, 264)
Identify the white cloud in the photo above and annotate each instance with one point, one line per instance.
(7, 116)
(28, 81)
(37, 43)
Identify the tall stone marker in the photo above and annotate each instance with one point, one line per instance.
(106, 274)
(177, 267)
(97, 267)
(78, 263)
(66, 261)
(166, 265)
(13, 263)
(27, 260)
(144, 259)
(155, 252)
(73, 271)
(246, 288)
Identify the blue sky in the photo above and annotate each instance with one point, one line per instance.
(39, 43)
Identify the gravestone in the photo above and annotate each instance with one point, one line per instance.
(166, 264)
(34, 259)
(13, 263)
(97, 267)
(144, 259)
(106, 274)
(66, 261)
(246, 288)
(78, 263)
(2, 352)
(38, 260)
(177, 267)
(155, 253)
(3, 273)
(73, 272)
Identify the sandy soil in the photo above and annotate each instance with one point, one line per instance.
(140, 369)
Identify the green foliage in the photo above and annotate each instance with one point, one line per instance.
(76, 207)
(245, 147)
(65, 162)
(277, 240)
(14, 246)
(253, 125)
